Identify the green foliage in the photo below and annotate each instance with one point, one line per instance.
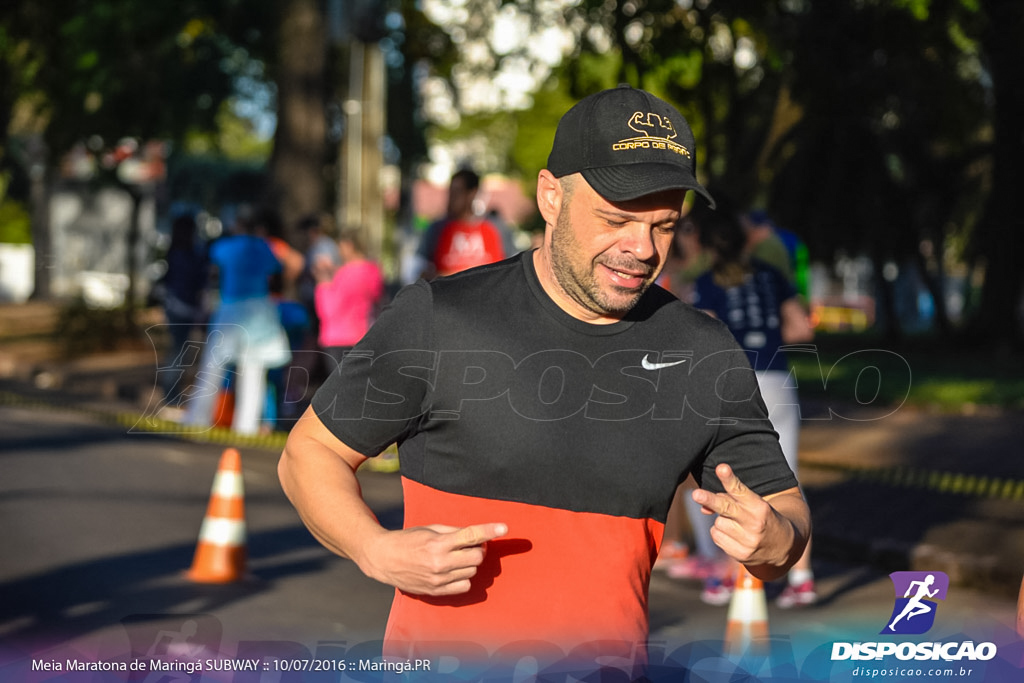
(919, 9)
(591, 72)
(235, 138)
(147, 69)
(536, 132)
(948, 379)
(15, 223)
(682, 70)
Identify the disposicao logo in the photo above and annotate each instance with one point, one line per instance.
(914, 613)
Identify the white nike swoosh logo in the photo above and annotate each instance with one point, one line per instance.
(648, 365)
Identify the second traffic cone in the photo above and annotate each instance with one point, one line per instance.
(748, 615)
(221, 553)
(224, 408)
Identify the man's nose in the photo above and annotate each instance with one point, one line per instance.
(638, 239)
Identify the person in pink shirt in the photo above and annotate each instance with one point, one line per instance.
(347, 298)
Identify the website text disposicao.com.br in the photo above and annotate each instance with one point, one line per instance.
(912, 657)
(869, 672)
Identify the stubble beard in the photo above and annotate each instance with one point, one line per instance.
(576, 276)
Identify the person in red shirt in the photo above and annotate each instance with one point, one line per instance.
(462, 239)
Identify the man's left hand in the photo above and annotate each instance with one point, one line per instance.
(749, 529)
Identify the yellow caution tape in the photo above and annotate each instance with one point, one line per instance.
(955, 483)
(151, 424)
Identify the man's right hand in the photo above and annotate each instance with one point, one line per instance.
(430, 560)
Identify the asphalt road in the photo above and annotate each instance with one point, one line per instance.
(98, 526)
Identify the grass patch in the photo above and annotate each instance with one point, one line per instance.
(873, 375)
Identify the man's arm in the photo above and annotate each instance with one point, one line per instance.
(318, 474)
(766, 534)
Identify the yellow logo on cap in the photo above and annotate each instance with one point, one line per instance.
(657, 132)
(652, 123)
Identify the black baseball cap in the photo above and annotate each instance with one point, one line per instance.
(627, 143)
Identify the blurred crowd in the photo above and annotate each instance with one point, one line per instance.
(255, 324)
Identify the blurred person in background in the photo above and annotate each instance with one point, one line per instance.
(245, 330)
(778, 247)
(285, 396)
(464, 238)
(321, 247)
(347, 298)
(686, 261)
(763, 311)
(183, 287)
(764, 243)
(267, 224)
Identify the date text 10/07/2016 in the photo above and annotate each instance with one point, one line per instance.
(390, 665)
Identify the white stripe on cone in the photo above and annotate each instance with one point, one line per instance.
(748, 604)
(222, 531)
(228, 484)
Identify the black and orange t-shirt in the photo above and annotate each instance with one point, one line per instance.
(506, 409)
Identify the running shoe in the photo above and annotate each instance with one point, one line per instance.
(797, 596)
(695, 567)
(717, 591)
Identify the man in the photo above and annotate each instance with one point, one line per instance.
(462, 239)
(546, 408)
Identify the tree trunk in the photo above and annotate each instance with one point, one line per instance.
(1000, 231)
(300, 141)
(885, 300)
(39, 193)
(132, 265)
(935, 282)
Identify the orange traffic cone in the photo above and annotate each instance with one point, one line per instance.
(748, 615)
(224, 408)
(221, 553)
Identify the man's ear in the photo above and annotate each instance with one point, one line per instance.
(549, 196)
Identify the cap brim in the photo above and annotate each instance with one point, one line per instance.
(622, 183)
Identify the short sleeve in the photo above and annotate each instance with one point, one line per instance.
(376, 396)
(744, 437)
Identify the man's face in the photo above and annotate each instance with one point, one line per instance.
(605, 255)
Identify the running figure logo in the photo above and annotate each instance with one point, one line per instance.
(914, 613)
